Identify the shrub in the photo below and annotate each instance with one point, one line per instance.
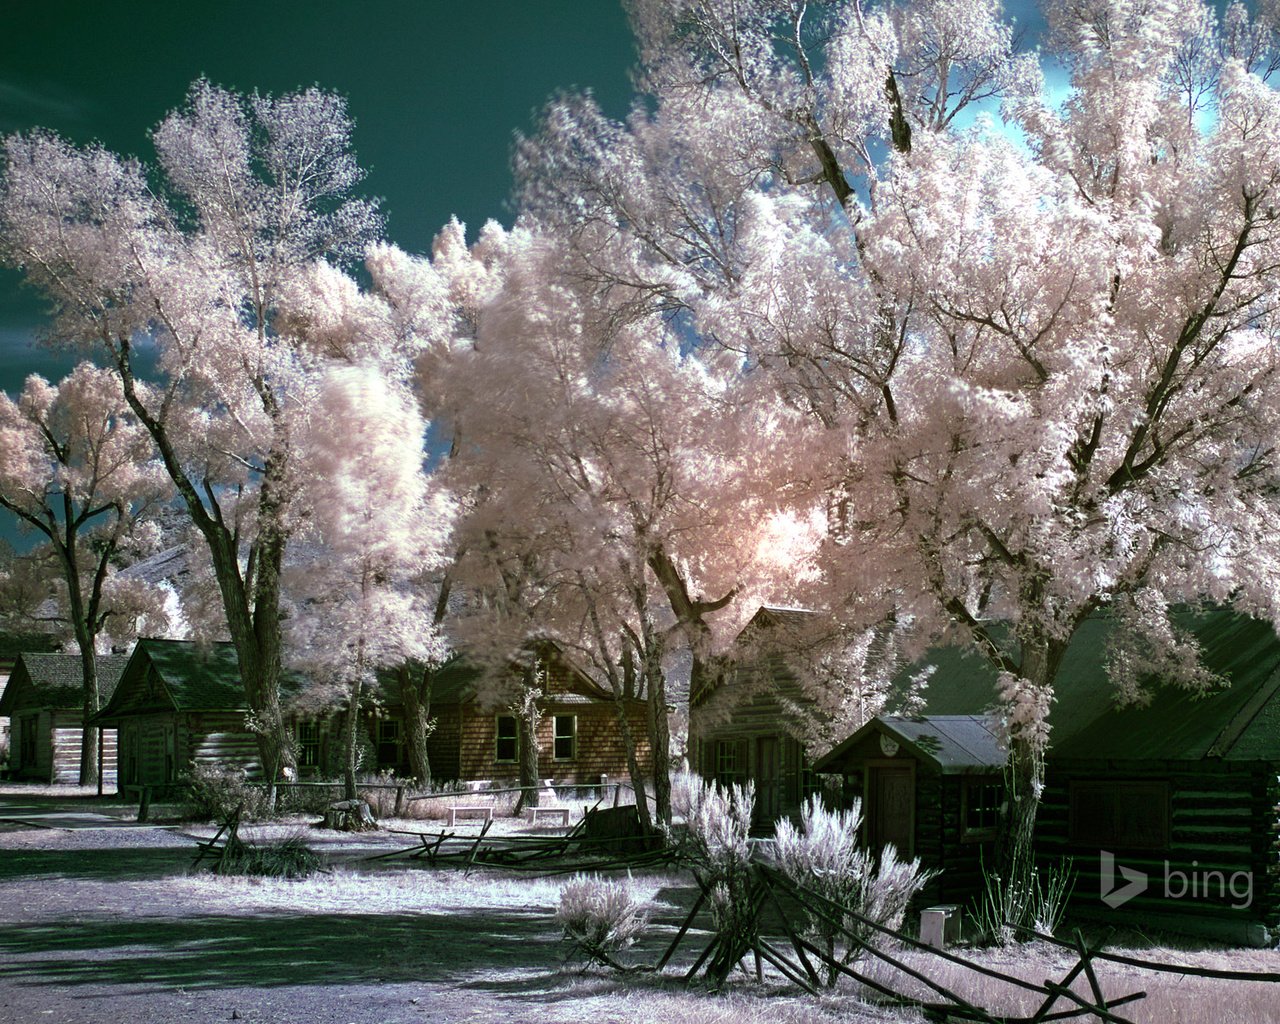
(215, 792)
(1022, 897)
(823, 856)
(717, 847)
(600, 917)
(286, 858)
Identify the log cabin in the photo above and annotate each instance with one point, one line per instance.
(579, 736)
(1183, 790)
(180, 703)
(44, 702)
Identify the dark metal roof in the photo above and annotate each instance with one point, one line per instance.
(954, 744)
(1238, 722)
(56, 681)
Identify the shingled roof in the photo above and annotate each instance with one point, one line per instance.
(178, 675)
(56, 681)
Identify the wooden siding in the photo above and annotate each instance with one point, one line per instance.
(1223, 818)
(758, 710)
(57, 748)
(599, 748)
(158, 748)
(444, 745)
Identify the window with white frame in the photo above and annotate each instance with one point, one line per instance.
(565, 743)
(506, 739)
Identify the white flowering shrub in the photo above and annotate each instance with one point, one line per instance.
(718, 849)
(823, 855)
(600, 916)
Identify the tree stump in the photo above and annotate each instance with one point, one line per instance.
(349, 816)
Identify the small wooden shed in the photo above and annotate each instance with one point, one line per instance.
(931, 786)
(44, 702)
(180, 703)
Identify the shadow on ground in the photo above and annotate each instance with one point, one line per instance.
(266, 950)
(97, 863)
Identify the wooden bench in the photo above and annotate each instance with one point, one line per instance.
(486, 811)
(549, 812)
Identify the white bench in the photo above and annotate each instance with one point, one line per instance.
(486, 812)
(560, 812)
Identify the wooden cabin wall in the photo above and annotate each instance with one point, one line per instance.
(444, 745)
(600, 749)
(1222, 817)
(67, 736)
(217, 737)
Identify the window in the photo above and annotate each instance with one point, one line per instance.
(730, 761)
(1114, 815)
(981, 803)
(388, 742)
(566, 738)
(308, 735)
(507, 739)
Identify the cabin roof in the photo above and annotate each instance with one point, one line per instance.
(56, 681)
(456, 680)
(1238, 722)
(178, 675)
(953, 744)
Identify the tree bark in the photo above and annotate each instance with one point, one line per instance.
(528, 739)
(351, 743)
(415, 698)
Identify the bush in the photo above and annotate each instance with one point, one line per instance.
(717, 846)
(823, 856)
(215, 792)
(600, 917)
(1022, 897)
(286, 858)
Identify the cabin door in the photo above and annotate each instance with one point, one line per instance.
(767, 779)
(891, 808)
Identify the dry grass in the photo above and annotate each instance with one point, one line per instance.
(1171, 999)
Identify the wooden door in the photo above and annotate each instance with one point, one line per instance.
(766, 776)
(891, 808)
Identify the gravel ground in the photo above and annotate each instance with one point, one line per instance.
(111, 924)
(101, 925)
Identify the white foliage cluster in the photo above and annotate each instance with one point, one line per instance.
(825, 855)
(601, 916)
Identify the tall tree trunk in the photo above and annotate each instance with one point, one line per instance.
(351, 743)
(624, 691)
(528, 739)
(1024, 779)
(90, 768)
(660, 739)
(250, 599)
(415, 698)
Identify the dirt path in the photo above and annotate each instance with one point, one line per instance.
(100, 925)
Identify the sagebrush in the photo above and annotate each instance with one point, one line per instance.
(823, 855)
(600, 916)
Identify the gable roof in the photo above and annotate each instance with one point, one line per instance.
(56, 681)
(178, 675)
(953, 744)
(457, 680)
(1238, 722)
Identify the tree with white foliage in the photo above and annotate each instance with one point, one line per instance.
(619, 490)
(194, 257)
(77, 468)
(375, 531)
(1038, 362)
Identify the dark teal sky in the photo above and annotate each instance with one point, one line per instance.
(436, 87)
